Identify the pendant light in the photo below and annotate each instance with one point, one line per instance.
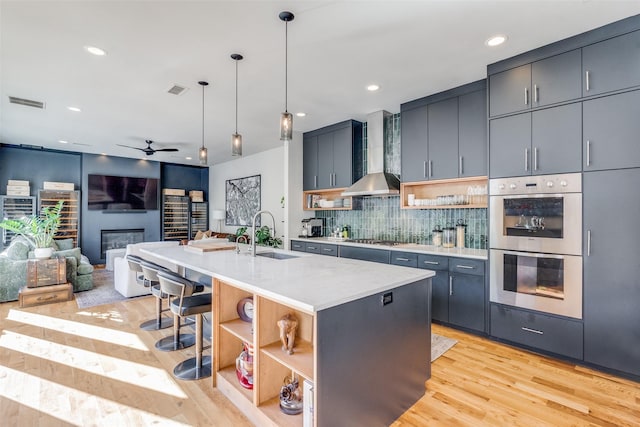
(202, 153)
(286, 118)
(236, 138)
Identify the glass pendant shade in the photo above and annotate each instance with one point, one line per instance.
(202, 155)
(286, 126)
(236, 144)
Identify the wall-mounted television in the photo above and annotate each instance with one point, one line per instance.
(122, 193)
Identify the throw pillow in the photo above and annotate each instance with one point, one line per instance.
(199, 235)
(75, 252)
(64, 244)
(18, 251)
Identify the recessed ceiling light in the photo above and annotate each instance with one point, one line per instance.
(373, 88)
(62, 141)
(103, 154)
(496, 40)
(187, 158)
(301, 114)
(95, 50)
(76, 109)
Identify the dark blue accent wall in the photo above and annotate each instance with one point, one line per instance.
(185, 177)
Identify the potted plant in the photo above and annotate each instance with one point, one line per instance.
(38, 230)
(264, 237)
(239, 232)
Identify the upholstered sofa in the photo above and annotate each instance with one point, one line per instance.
(13, 267)
(124, 280)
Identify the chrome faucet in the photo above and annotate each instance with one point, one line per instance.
(253, 225)
(238, 242)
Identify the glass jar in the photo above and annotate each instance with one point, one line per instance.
(436, 236)
(448, 237)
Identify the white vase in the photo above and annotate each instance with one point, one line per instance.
(43, 253)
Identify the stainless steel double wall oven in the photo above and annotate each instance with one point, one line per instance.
(536, 243)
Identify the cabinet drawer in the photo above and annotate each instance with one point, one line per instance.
(314, 248)
(433, 262)
(365, 254)
(298, 246)
(29, 297)
(561, 336)
(466, 266)
(407, 259)
(329, 250)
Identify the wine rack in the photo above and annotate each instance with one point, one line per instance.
(70, 214)
(175, 217)
(14, 207)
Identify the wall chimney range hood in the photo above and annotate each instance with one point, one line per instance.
(376, 182)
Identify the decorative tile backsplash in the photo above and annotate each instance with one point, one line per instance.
(382, 218)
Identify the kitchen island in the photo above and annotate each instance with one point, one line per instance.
(363, 338)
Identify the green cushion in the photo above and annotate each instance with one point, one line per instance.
(18, 251)
(75, 252)
(85, 268)
(63, 244)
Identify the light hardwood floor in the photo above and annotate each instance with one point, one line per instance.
(60, 366)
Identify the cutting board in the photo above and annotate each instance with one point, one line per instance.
(210, 247)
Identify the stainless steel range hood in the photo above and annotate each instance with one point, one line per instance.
(376, 182)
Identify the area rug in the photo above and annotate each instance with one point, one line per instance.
(440, 345)
(103, 291)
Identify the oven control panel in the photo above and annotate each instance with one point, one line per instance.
(539, 184)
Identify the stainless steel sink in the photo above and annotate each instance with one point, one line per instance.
(276, 255)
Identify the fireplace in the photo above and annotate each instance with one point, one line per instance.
(115, 239)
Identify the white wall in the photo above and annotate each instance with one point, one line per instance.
(281, 175)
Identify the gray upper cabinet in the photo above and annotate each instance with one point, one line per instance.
(611, 64)
(328, 156)
(414, 144)
(538, 143)
(545, 82)
(509, 91)
(611, 132)
(445, 135)
(472, 134)
(442, 129)
(611, 270)
(310, 162)
(556, 79)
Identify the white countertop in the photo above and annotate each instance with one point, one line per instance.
(408, 247)
(308, 282)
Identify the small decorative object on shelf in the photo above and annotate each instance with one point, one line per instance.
(244, 366)
(288, 325)
(291, 396)
(245, 309)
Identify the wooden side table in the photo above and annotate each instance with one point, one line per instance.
(29, 297)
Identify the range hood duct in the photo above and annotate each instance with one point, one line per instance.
(376, 182)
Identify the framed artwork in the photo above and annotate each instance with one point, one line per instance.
(242, 200)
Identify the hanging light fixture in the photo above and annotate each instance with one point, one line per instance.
(202, 153)
(236, 138)
(286, 118)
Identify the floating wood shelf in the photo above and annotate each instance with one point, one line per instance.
(431, 190)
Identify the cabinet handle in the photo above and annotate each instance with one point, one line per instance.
(588, 153)
(430, 168)
(526, 159)
(312, 247)
(535, 331)
(450, 285)
(402, 259)
(460, 169)
(526, 96)
(424, 168)
(588, 242)
(432, 262)
(586, 75)
(315, 181)
(334, 179)
(327, 249)
(467, 267)
(535, 93)
(535, 159)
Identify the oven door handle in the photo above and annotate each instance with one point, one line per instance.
(533, 254)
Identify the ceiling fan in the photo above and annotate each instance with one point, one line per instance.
(148, 150)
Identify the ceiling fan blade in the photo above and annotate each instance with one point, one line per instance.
(167, 149)
(128, 146)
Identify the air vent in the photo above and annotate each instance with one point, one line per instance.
(26, 102)
(177, 90)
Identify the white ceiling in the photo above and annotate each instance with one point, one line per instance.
(336, 48)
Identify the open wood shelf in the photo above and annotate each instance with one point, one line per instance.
(300, 361)
(330, 195)
(239, 328)
(271, 409)
(431, 190)
(229, 375)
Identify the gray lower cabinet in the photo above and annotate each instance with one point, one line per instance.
(543, 142)
(439, 285)
(467, 293)
(365, 254)
(314, 247)
(406, 259)
(414, 144)
(297, 245)
(611, 64)
(553, 334)
(612, 270)
(611, 132)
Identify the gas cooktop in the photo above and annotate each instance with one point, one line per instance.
(375, 242)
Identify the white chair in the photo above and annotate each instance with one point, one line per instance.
(124, 279)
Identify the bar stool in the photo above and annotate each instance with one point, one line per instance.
(184, 304)
(150, 280)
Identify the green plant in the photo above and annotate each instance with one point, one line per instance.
(264, 237)
(39, 230)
